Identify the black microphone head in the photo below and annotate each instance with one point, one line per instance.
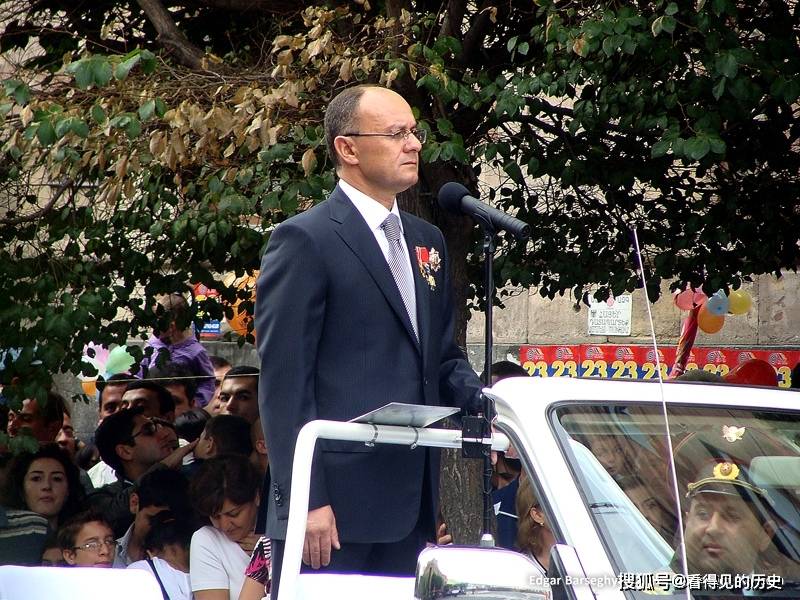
(450, 196)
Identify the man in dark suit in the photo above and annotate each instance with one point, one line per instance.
(354, 310)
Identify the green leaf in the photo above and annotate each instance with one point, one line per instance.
(45, 133)
(62, 127)
(17, 90)
(657, 26)
(445, 127)
(101, 71)
(512, 43)
(148, 62)
(215, 186)
(122, 69)
(727, 65)
(161, 108)
(147, 109)
(668, 24)
(523, 48)
(660, 148)
(671, 9)
(133, 128)
(697, 147)
(719, 89)
(84, 75)
(717, 145)
(98, 114)
(80, 128)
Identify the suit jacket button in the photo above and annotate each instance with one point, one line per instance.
(425, 381)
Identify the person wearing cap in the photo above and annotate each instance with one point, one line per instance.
(728, 524)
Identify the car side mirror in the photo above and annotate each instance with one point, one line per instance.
(493, 573)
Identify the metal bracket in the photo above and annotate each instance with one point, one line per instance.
(371, 443)
(416, 438)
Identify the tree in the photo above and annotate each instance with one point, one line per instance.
(149, 145)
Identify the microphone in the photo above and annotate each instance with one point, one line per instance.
(455, 198)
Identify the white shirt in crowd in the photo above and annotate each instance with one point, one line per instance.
(216, 563)
(175, 582)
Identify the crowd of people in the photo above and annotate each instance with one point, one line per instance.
(169, 482)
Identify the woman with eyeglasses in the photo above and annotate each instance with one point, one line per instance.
(225, 490)
(47, 483)
(534, 536)
(86, 540)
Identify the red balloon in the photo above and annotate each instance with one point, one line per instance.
(699, 298)
(685, 300)
(753, 372)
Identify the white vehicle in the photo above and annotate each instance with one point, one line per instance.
(584, 443)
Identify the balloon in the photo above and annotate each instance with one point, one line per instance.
(96, 354)
(685, 300)
(240, 320)
(119, 361)
(699, 298)
(89, 387)
(739, 302)
(709, 322)
(753, 372)
(718, 304)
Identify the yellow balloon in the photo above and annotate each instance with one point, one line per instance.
(89, 387)
(739, 302)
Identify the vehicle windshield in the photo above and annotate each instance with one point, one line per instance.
(738, 474)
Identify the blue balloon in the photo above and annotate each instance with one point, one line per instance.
(718, 304)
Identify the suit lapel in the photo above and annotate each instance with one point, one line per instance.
(356, 234)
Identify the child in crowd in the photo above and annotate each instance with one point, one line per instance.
(176, 337)
(87, 540)
(167, 547)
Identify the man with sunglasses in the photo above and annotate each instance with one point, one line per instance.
(353, 311)
(132, 444)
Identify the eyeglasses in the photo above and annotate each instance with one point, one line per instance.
(95, 545)
(403, 134)
(149, 429)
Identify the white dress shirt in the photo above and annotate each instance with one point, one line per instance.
(375, 213)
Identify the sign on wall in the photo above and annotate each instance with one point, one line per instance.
(611, 361)
(611, 318)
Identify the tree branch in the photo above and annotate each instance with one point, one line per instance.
(259, 6)
(454, 16)
(42, 211)
(171, 38)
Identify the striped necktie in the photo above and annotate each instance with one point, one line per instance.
(399, 267)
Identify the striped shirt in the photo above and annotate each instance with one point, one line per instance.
(22, 537)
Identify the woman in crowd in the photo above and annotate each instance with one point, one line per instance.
(86, 540)
(224, 489)
(47, 483)
(534, 537)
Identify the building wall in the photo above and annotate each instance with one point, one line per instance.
(773, 320)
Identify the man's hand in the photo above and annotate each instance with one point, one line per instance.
(175, 459)
(321, 536)
(443, 538)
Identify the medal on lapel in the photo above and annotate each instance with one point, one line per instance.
(429, 262)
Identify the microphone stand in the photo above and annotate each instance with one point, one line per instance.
(489, 246)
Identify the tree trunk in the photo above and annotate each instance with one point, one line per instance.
(460, 479)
